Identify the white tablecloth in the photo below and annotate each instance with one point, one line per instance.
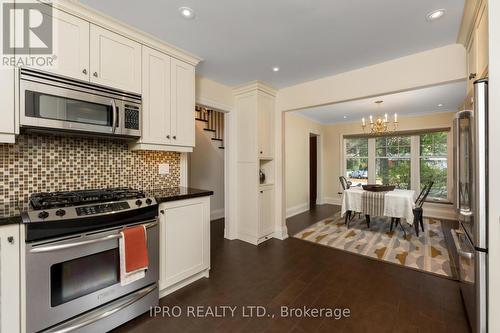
(397, 203)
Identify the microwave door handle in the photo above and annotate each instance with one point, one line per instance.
(50, 248)
(115, 115)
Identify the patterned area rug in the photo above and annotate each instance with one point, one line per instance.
(428, 252)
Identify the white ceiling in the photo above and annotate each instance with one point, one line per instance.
(413, 102)
(241, 40)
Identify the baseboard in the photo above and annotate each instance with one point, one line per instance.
(216, 214)
(281, 233)
(332, 201)
(295, 210)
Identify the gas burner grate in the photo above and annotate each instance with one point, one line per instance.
(48, 200)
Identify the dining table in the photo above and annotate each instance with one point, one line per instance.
(398, 203)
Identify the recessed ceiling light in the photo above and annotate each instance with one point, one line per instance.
(186, 12)
(440, 105)
(345, 117)
(435, 14)
(276, 69)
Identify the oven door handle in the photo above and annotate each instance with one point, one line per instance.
(102, 313)
(50, 248)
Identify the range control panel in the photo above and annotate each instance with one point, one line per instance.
(102, 208)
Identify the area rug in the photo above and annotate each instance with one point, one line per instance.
(428, 252)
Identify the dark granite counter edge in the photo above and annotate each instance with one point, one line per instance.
(16, 219)
(161, 199)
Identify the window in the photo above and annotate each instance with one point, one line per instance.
(393, 161)
(356, 152)
(406, 161)
(434, 163)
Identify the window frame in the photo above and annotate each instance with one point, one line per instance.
(414, 160)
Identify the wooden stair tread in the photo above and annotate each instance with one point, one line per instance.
(209, 129)
(206, 121)
(216, 139)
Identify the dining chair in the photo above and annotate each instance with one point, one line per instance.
(345, 186)
(418, 211)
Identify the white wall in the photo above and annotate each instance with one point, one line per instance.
(206, 169)
(297, 129)
(494, 166)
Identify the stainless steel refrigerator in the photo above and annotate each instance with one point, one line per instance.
(471, 200)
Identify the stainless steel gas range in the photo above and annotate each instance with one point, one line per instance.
(72, 260)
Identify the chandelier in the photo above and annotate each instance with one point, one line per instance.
(381, 124)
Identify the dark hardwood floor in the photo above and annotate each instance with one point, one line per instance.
(381, 297)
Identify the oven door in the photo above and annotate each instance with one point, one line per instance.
(68, 277)
(59, 107)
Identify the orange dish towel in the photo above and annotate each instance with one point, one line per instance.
(133, 254)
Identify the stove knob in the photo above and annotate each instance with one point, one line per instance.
(149, 201)
(138, 202)
(60, 212)
(43, 215)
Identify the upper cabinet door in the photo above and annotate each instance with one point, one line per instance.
(482, 43)
(70, 44)
(183, 103)
(156, 101)
(471, 64)
(266, 125)
(115, 60)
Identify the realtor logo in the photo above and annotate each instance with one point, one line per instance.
(27, 34)
(26, 30)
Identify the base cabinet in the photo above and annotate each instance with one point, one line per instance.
(10, 279)
(184, 243)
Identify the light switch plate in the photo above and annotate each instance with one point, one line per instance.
(163, 168)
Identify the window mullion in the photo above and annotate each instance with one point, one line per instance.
(415, 162)
(371, 161)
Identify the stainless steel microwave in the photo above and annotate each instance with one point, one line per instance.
(55, 103)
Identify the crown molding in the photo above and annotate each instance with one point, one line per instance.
(74, 7)
(255, 86)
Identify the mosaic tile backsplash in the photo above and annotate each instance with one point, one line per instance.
(40, 163)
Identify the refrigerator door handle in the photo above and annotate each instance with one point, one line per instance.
(456, 122)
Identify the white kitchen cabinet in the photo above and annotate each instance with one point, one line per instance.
(184, 243)
(71, 45)
(10, 278)
(482, 42)
(115, 60)
(168, 97)
(471, 64)
(266, 212)
(156, 97)
(8, 126)
(183, 103)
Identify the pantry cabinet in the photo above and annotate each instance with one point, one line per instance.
(10, 278)
(115, 60)
(184, 242)
(266, 126)
(266, 212)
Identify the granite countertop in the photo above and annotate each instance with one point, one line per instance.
(10, 212)
(177, 193)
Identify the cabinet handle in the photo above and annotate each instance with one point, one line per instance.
(472, 76)
(261, 151)
(261, 191)
(10, 239)
(84, 71)
(174, 137)
(162, 211)
(95, 74)
(168, 136)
